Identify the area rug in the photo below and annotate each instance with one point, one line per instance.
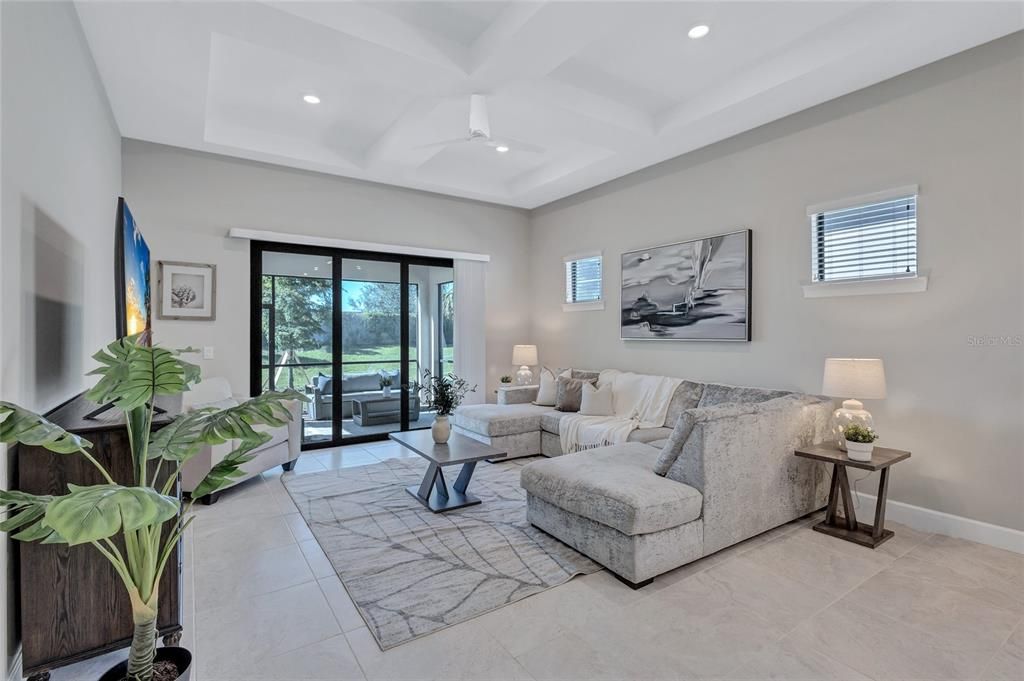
(411, 572)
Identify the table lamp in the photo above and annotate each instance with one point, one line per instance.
(525, 356)
(853, 380)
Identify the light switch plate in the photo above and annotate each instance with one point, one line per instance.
(207, 352)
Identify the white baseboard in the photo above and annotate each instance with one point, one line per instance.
(927, 520)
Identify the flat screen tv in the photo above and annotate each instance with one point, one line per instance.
(132, 288)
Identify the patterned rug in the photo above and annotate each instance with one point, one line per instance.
(410, 571)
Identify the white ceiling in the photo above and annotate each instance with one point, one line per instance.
(604, 88)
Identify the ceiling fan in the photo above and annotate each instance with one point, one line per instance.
(480, 132)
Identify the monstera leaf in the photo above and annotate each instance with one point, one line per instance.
(97, 512)
(131, 375)
(21, 425)
(181, 439)
(228, 468)
(25, 520)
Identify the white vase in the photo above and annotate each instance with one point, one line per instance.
(859, 451)
(441, 429)
(387, 391)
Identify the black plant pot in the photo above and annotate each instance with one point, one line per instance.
(180, 657)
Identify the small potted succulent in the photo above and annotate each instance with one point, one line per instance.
(443, 394)
(860, 441)
(506, 380)
(386, 381)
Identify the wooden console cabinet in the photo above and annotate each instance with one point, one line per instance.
(72, 604)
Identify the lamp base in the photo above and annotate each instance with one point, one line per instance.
(851, 412)
(524, 376)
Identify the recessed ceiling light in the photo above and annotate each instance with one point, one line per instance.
(313, 99)
(316, 269)
(305, 274)
(501, 148)
(699, 31)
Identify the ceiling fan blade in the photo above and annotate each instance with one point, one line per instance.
(445, 143)
(516, 145)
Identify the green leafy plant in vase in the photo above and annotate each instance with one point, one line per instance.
(136, 527)
(860, 441)
(443, 394)
(506, 380)
(385, 382)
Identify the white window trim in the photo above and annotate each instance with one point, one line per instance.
(915, 283)
(583, 307)
(861, 199)
(866, 287)
(590, 304)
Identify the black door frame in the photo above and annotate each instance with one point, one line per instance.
(337, 256)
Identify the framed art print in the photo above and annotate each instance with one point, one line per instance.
(697, 290)
(188, 291)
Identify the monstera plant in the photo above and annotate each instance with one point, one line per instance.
(129, 523)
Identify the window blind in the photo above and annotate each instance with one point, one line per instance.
(869, 241)
(583, 280)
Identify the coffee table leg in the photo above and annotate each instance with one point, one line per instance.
(442, 488)
(883, 491)
(428, 480)
(462, 482)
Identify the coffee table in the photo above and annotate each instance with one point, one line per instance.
(433, 492)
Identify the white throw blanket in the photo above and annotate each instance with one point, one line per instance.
(640, 401)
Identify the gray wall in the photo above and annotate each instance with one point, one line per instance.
(61, 175)
(185, 202)
(954, 128)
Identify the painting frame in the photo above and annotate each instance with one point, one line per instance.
(747, 269)
(200, 277)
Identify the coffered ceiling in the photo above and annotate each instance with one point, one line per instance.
(582, 92)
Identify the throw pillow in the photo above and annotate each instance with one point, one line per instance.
(596, 401)
(674, 447)
(226, 403)
(547, 393)
(570, 393)
(324, 384)
(686, 396)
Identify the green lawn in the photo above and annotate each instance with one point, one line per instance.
(375, 359)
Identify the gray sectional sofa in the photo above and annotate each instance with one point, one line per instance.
(721, 470)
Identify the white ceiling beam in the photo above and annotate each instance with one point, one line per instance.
(548, 92)
(367, 23)
(391, 146)
(532, 40)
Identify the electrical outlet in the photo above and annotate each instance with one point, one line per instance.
(208, 352)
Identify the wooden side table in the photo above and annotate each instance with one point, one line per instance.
(849, 529)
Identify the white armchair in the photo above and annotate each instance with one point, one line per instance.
(282, 449)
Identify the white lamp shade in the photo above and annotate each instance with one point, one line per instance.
(860, 379)
(524, 355)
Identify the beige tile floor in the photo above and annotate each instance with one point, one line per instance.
(262, 602)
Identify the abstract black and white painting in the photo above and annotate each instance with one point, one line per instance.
(693, 290)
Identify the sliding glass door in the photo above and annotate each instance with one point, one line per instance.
(354, 331)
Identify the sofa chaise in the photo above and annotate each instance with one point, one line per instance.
(282, 449)
(721, 471)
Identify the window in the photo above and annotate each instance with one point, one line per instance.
(583, 281)
(446, 328)
(873, 238)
